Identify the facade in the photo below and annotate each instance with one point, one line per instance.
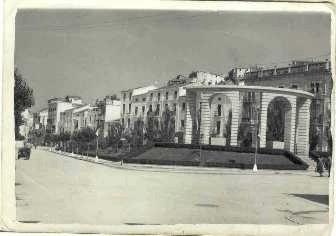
(109, 113)
(74, 119)
(55, 107)
(28, 121)
(151, 102)
(140, 94)
(41, 118)
(314, 77)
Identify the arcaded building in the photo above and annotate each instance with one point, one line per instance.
(314, 77)
(214, 115)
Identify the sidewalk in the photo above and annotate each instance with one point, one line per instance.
(181, 169)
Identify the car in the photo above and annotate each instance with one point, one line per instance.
(24, 152)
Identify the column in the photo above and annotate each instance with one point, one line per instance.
(205, 118)
(235, 105)
(290, 125)
(302, 131)
(190, 116)
(265, 99)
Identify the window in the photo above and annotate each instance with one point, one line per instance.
(315, 87)
(158, 108)
(123, 108)
(143, 109)
(175, 94)
(174, 106)
(136, 100)
(294, 86)
(219, 110)
(129, 108)
(128, 122)
(136, 111)
(183, 106)
(143, 99)
(150, 108)
(218, 124)
(167, 95)
(130, 96)
(281, 86)
(124, 96)
(166, 106)
(151, 96)
(182, 124)
(159, 96)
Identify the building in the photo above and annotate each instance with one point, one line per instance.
(28, 121)
(141, 94)
(109, 113)
(58, 105)
(74, 119)
(150, 103)
(214, 116)
(41, 118)
(310, 76)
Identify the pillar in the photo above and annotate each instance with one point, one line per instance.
(302, 130)
(265, 99)
(290, 125)
(190, 116)
(235, 105)
(205, 118)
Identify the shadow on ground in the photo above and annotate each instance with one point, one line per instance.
(319, 198)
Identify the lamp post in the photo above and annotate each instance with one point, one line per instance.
(255, 167)
(97, 134)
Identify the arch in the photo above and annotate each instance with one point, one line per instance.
(221, 119)
(279, 123)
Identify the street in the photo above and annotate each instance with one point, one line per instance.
(51, 188)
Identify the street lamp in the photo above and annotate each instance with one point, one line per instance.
(97, 134)
(255, 167)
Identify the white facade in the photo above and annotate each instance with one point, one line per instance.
(27, 118)
(55, 107)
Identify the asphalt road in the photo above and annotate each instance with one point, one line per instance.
(51, 188)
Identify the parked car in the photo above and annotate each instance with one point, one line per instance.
(24, 152)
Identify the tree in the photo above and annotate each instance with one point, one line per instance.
(138, 132)
(276, 121)
(37, 136)
(64, 137)
(23, 99)
(114, 134)
(168, 125)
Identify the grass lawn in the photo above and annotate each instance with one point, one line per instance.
(186, 156)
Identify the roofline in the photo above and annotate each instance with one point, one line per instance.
(295, 92)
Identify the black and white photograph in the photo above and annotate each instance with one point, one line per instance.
(145, 117)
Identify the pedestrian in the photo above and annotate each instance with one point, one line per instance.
(328, 165)
(319, 167)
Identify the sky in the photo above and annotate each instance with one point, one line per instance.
(94, 53)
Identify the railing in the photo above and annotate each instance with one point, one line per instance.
(313, 67)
